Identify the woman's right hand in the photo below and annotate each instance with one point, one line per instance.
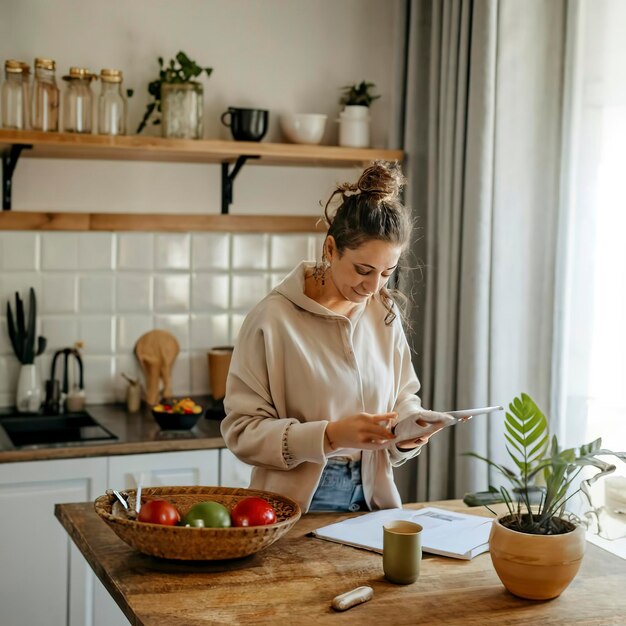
(363, 431)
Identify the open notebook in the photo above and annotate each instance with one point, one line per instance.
(456, 535)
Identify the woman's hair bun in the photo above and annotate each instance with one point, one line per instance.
(382, 179)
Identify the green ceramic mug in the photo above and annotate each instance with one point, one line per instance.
(402, 551)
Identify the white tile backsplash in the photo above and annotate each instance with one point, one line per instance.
(177, 324)
(59, 293)
(133, 293)
(248, 289)
(5, 342)
(59, 251)
(199, 371)
(171, 292)
(60, 331)
(210, 291)
(210, 251)
(208, 331)
(96, 293)
(130, 328)
(288, 250)
(135, 251)
(96, 251)
(19, 251)
(172, 252)
(108, 289)
(99, 378)
(250, 252)
(97, 332)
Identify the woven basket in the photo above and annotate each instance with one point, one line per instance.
(198, 544)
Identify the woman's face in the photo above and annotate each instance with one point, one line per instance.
(358, 274)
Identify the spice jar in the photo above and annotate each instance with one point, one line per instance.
(15, 101)
(26, 92)
(45, 100)
(78, 101)
(111, 104)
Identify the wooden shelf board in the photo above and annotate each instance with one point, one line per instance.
(140, 148)
(27, 220)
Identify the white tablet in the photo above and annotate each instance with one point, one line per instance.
(409, 428)
(472, 412)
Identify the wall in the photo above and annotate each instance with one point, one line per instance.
(283, 55)
(108, 288)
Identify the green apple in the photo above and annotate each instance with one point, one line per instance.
(208, 515)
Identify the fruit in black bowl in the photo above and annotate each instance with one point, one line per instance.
(177, 414)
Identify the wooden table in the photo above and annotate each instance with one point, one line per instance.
(294, 581)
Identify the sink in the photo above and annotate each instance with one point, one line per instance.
(42, 430)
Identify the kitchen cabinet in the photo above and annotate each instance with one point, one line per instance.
(195, 467)
(232, 155)
(39, 563)
(233, 472)
(43, 577)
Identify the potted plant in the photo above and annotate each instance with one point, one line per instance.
(536, 549)
(354, 120)
(177, 97)
(22, 335)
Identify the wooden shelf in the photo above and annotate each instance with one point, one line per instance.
(27, 220)
(140, 148)
(232, 155)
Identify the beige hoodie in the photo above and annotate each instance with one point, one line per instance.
(296, 367)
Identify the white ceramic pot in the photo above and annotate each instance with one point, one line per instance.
(354, 127)
(29, 393)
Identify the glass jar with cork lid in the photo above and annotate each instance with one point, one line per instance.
(111, 104)
(15, 102)
(45, 100)
(78, 101)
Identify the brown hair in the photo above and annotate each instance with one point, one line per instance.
(370, 209)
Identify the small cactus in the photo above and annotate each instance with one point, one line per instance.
(22, 331)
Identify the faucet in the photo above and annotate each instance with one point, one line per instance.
(55, 393)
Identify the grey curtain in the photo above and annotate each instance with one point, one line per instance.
(482, 134)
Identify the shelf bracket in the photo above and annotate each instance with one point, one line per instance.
(10, 157)
(228, 178)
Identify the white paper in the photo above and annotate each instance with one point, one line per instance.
(457, 535)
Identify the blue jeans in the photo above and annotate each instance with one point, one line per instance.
(340, 487)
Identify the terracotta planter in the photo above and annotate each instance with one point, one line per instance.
(537, 567)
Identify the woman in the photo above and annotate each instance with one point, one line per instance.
(321, 370)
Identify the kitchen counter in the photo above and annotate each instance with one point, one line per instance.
(137, 433)
(295, 580)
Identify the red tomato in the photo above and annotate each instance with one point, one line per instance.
(253, 512)
(159, 512)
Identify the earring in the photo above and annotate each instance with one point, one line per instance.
(319, 273)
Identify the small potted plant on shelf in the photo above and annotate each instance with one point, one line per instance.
(177, 97)
(354, 120)
(26, 346)
(536, 549)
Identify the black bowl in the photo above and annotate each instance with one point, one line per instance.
(176, 421)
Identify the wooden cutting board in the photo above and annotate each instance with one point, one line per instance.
(156, 351)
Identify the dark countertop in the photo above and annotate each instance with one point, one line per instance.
(137, 433)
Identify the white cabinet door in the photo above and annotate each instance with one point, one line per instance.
(193, 467)
(38, 558)
(233, 472)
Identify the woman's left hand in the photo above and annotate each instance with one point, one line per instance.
(434, 421)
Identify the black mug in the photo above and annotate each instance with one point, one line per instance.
(246, 124)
